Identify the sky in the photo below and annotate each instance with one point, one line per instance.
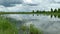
(28, 5)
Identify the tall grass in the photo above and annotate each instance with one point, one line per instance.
(6, 27)
(31, 29)
(34, 30)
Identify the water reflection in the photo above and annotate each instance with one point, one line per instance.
(51, 15)
(50, 24)
(56, 16)
(36, 14)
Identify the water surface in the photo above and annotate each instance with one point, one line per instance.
(49, 24)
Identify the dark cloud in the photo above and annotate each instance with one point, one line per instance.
(57, 2)
(9, 2)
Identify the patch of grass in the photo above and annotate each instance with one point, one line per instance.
(31, 29)
(6, 27)
(34, 30)
(23, 28)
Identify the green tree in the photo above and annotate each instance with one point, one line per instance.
(58, 10)
(33, 11)
(51, 10)
(55, 10)
(44, 11)
(37, 11)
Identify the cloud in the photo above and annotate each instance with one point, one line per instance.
(25, 5)
(57, 0)
(9, 2)
(29, 4)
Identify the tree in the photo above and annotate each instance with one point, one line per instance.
(37, 11)
(58, 10)
(55, 10)
(44, 11)
(33, 11)
(51, 10)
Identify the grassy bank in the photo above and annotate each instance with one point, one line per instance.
(29, 13)
(6, 27)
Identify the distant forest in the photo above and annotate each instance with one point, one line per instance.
(55, 10)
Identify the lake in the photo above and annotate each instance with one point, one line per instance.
(49, 24)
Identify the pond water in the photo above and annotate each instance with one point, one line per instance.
(49, 24)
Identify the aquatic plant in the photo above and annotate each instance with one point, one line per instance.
(34, 30)
(31, 29)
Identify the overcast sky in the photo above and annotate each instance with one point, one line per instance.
(28, 5)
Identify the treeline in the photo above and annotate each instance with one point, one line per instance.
(55, 10)
(52, 10)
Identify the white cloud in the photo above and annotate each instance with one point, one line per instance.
(27, 1)
(26, 5)
(2, 8)
(57, 0)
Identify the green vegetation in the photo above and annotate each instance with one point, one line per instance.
(51, 11)
(31, 29)
(34, 30)
(34, 12)
(6, 27)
